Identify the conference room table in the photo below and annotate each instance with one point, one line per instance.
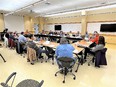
(79, 47)
(58, 37)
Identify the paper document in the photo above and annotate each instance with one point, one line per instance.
(89, 42)
(75, 51)
(35, 41)
(51, 45)
(47, 42)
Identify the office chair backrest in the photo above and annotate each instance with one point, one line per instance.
(103, 51)
(13, 74)
(65, 61)
(101, 57)
(6, 83)
(49, 50)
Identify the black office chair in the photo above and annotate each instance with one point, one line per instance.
(99, 58)
(24, 83)
(6, 83)
(50, 53)
(66, 64)
(20, 48)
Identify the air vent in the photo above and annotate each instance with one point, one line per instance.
(103, 3)
(47, 3)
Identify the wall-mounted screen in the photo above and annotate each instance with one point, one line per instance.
(58, 27)
(108, 28)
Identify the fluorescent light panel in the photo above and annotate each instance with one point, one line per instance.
(28, 6)
(90, 9)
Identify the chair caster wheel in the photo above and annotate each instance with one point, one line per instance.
(41, 61)
(55, 75)
(46, 61)
(52, 63)
(97, 66)
(76, 71)
(74, 78)
(88, 64)
(63, 81)
(4, 61)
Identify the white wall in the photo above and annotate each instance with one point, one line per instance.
(65, 27)
(91, 27)
(14, 23)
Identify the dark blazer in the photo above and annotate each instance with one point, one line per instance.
(100, 57)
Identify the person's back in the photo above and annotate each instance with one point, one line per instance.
(65, 50)
(11, 36)
(31, 44)
(21, 38)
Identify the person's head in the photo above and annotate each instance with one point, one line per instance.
(96, 33)
(63, 40)
(101, 40)
(22, 33)
(11, 33)
(31, 37)
(27, 30)
(6, 29)
(86, 32)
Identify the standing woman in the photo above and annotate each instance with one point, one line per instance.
(6, 37)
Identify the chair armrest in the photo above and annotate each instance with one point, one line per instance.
(41, 83)
(3, 84)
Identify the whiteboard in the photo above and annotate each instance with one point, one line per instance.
(91, 27)
(49, 27)
(65, 27)
(14, 23)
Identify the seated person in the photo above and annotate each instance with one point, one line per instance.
(78, 34)
(64, 50)
(55, 33)
(70, 33)
(95, 37)
(51, 32)
(22, 38)
(99, 46)
(32, 45)
(26, 32)
(86, 36)
(22, 41)
(61, 33)
(11, 40)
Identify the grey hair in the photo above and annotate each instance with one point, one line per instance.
(63, 40)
